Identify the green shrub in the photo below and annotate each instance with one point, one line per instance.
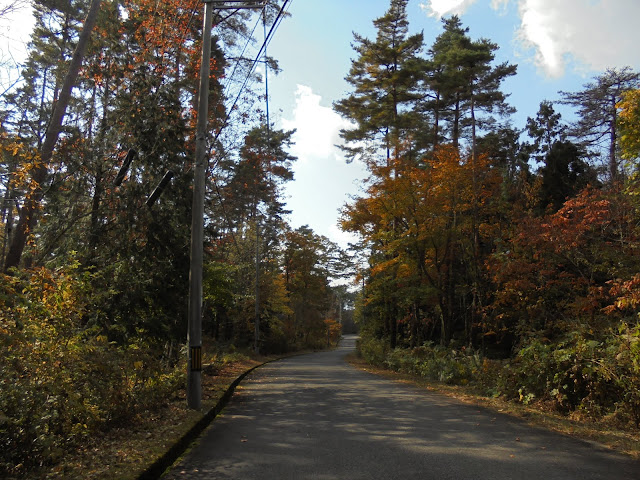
(598, 377)
(61, 381)
(624, 363)
(372, 350)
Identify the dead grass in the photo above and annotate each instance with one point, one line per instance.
(125, 453)
(606, 432)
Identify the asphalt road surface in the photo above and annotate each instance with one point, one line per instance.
(316, 417)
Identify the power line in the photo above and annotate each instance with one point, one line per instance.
(243, 50)
(274, 26)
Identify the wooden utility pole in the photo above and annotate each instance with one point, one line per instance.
(194, 333)
(194, 315)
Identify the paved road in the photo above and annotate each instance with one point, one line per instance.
(315, 417)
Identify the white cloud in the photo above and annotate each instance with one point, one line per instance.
(586, 34)
(323, 179)
(317, 127)
(440, 8)
(499, 4)
(596, 34)
(343, 239)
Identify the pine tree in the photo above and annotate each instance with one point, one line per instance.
(385, 78)
(597, 126)
(61, 98)
(463, 80)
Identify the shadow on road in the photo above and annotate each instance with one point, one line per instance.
(315, 417)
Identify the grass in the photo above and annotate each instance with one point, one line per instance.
(125, 453)
(605, 432)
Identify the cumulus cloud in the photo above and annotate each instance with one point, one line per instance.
(323, 179)
(317, 126)
(587, 34)
(595, 34)
(440, 8)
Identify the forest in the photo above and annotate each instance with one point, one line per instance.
(505, 256)
(502, 256)
(94, 267)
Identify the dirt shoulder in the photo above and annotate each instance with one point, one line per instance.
(603, 432)
(127, 452)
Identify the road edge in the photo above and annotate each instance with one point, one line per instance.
(169, 458)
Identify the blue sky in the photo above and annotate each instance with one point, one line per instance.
(557, 45)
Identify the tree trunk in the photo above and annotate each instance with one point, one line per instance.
(436, 123)
(456, 124)
(613, 164)
(28, 212)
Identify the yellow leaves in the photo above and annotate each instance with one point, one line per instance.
(384, 266)
(334, 329)
(629, 123)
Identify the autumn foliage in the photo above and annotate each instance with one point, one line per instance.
(494, 259)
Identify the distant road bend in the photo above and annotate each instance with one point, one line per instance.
(316, 417)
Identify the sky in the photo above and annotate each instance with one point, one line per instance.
(558, 45)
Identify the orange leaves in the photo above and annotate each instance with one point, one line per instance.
(558, 268)
(627, 295)
(571, 227)
(334, 330)
(162, 30)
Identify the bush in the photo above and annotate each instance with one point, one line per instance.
(624, 354)
(434, 363)
(372, 350)
(61, 381)
(597, 377)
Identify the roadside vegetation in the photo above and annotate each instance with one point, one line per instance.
(502, 386)
(499, 257)
(67, 387)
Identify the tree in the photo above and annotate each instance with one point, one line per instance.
(629, 124)
(462, 80)
(564, 174)
(28, 212)
(597, 126)
(545, 130)
(556, 272)
(306, 276)
(511, 157)
(385, 78)
(264, 165)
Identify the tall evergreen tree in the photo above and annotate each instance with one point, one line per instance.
(385, 77)
(464, 81)
(61, 98)
(597, 125)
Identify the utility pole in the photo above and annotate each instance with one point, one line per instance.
(194, 315)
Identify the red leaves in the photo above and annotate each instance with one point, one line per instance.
(627, 295)
(558, 268)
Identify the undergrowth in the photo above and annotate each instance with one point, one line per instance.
(576, 376)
